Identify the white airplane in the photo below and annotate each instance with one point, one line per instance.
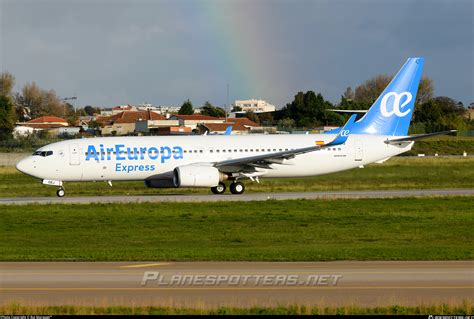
(210, 161)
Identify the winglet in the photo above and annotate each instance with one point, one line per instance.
(341, 138)
(228, 130)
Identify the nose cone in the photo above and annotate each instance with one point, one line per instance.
(24, 166)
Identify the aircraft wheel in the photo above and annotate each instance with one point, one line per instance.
(237, 188)
(219, 189)
(60, 192)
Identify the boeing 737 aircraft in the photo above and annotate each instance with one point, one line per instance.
(210, 161)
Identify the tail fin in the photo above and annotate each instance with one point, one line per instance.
(391, 112)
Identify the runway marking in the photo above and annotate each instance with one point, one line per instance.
(144, 265)
(245, 272)
(230, 288)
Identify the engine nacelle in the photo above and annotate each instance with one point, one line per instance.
(159, 183)
(197, 176)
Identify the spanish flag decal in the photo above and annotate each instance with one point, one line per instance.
(319, 142)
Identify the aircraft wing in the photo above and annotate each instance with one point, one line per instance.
(264, 160)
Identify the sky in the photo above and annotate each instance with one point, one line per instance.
(163, 52)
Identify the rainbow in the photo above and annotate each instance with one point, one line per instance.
(244, 50)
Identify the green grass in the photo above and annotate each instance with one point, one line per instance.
(397, 173)
(464, 308)
(443, 145)
(295, 230)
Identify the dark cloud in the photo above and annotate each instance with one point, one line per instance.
(112, 52)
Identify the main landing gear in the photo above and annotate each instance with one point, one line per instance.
(60, 192)
(219, 189)
(235, 188)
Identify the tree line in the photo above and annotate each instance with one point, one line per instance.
(431, 113)
(307, 110)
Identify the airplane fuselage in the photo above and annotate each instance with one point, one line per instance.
(139, 158)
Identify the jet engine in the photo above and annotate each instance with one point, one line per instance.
(197, 176)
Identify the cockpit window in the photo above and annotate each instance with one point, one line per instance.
(43, 153)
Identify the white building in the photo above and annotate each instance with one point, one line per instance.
(166, 109)
(254, 105)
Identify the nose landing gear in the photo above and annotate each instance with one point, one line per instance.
(60, 192)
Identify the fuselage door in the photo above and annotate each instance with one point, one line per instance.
(358, 150)
(74, 156)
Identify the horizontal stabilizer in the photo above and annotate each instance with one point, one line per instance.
(417, 137)
(349, 111)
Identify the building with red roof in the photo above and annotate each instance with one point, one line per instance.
(242, 121)
(194, 120)
(220, 128)
(128, 122)
(45, 122)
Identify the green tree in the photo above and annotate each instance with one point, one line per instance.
(286, 123)
(7, 117)
(236, 109)
(7, 82)
(366, 93)
(210, 110)
(266, 118)
(252, 116)
(348, 94)
(309, 110)
(70, 114)
(90, 110)
(186, 108)
(37, 102)
(441, 113)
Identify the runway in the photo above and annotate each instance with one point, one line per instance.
(245, 197)
(121, 283)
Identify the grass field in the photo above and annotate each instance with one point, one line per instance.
(443, 145)
(294, 230)
(464, 308)
(397, 173)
